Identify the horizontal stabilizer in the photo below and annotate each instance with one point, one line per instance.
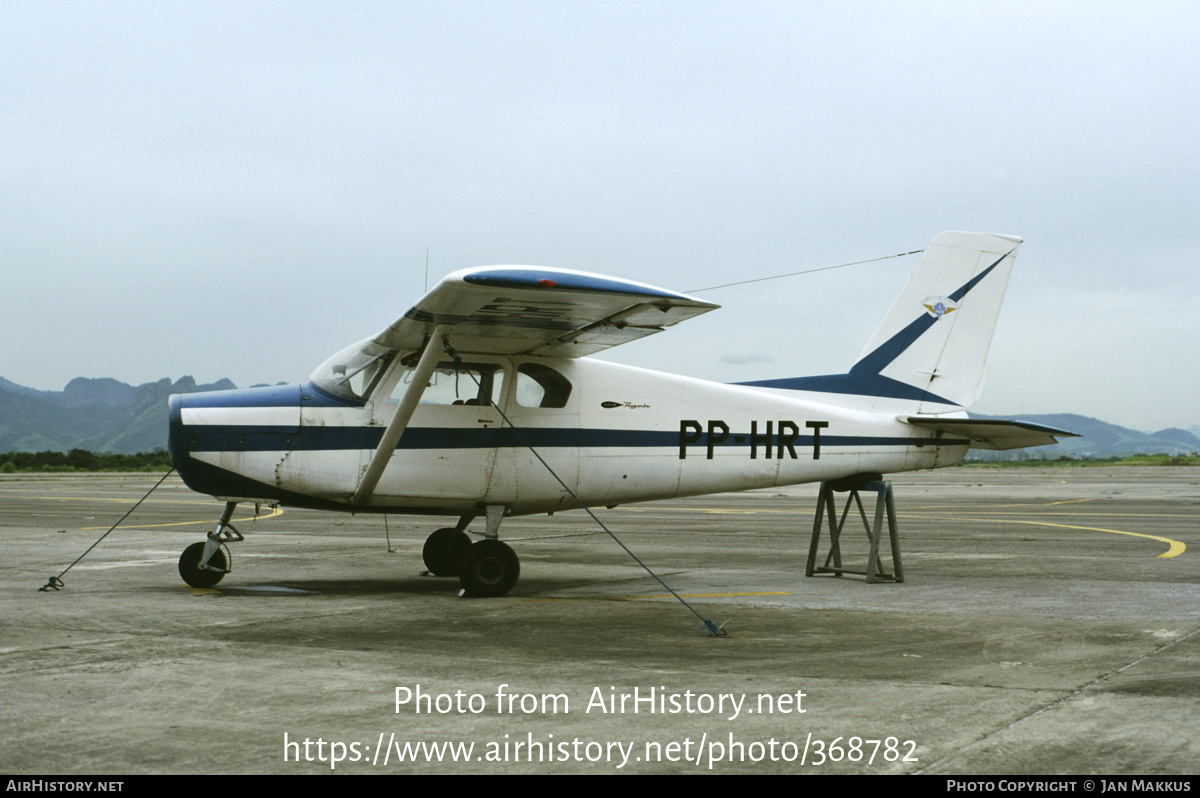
(992, 433)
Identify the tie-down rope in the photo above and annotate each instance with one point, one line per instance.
(55, 582)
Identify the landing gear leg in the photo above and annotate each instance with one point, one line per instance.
(205, 564)
(490, 568)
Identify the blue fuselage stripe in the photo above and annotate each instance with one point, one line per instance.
(214, 438)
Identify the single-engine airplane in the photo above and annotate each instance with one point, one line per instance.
(481, 402)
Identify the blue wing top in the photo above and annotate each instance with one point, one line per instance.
(539, 311)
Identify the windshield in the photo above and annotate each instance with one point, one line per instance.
(353, 372)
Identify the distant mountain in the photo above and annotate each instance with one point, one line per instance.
(1182, 436)
(12, 387)
(102, 415)
(1097, 439)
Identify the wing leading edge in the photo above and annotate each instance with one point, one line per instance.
(511, 310)
(990, 433)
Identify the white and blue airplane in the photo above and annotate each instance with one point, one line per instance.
(481, 402)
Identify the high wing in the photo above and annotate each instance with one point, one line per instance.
(514, 310)
(992, 433)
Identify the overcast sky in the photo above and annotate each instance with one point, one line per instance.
(241, 189)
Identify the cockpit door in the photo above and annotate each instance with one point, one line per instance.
(446, 455)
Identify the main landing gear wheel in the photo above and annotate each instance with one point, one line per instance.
(189, 566)
(444, 551)
(490, 568)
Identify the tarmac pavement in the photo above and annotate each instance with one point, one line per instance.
(1049, 623)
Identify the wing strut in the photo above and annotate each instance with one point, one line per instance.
(399, 423)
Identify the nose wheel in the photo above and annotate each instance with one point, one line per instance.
(189, 566)
(205, 564)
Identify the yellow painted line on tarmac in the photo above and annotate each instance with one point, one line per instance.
(661, 596)
(1174, 547)
(913, 512)
(989, 513)
(102, 499)
(1010, 504)
(275, 512)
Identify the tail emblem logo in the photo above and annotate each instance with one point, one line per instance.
(938, 306)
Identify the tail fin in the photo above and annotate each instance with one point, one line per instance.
(937, 334)
(929, 353)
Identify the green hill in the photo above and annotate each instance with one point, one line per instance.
(97, 415)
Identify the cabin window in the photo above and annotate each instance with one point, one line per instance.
(472, 384)
(541, 386)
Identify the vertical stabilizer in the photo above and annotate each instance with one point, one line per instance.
(935, 337)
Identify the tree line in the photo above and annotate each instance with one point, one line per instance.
(83, 460)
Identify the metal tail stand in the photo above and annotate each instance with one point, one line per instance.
(825, 504)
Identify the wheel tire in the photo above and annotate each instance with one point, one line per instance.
(490, 568)
(189, 566)
(444, 551)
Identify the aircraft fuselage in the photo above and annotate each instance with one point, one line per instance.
(612, 434)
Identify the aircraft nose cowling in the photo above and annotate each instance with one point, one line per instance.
(176, 441)
(202, 426)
